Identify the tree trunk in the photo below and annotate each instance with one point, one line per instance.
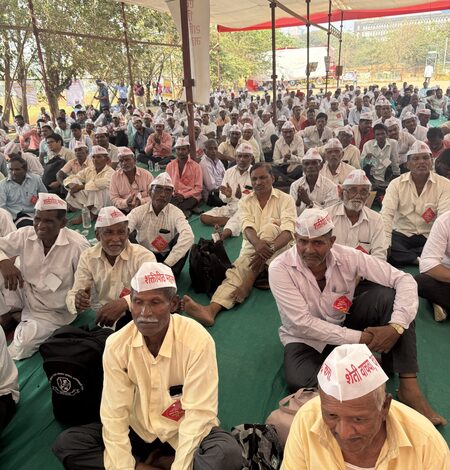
(7, 75)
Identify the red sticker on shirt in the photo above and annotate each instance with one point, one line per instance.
(33, 199)
(360, 248)
(124, 293)
(428, 215)
(342, 304)
(174, 412)
(246, 191)
(159, 243)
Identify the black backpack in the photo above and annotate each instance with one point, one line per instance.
(261, 447)
(208, 263)
(73, 364)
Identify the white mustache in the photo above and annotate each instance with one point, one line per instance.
(147, 320)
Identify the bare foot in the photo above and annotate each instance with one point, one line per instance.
(241, 293)
(75, 221)
(410, 395)
(203, 314)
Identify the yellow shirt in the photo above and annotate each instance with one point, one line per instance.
(412, 442)
(279, 210)
(406, 212)
(94, 270)
(136, 391)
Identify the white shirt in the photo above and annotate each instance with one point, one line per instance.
(404, 210)
(94, 270)
(409, 108)
(335, 118)
(6, 223)
(9, 377)
(405, 140)
(295, 149)
(437, 248)
(234, 178)
(342, 171)
(312, 138)
(307, 313)
(420, 133)
(47, 278)
(149, 226)
(208, 128)
(324, 194)
(384, 157)
(34, 165)
(213, 173)
(367, 234)
(266, 132)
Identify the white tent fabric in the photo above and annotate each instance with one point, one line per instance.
(248, 13)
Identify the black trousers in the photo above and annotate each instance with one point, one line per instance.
(7, 410)
(437, 292)
(178, 266)
(82, 448)
(186, 204)
(147, 158)
(405, 250)
(372, 306)
(282, 171)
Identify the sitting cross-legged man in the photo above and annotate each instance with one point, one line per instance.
(161, 227)
(187, 178)
(267, 218)
(49, 253)
(160, 392)
(90, 187)
(323, 304)
(236, 184)
(104, 272)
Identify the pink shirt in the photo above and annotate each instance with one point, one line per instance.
(163, 149)
(35, 140)
(121, 189)
(190, 183)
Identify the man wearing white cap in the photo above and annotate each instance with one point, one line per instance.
(404, 140)
(313, 189)
(414, 106)
(129, 184)
(159, 145)
(19, 192)
(386, 110)
(319, 134)
(80, 162)
(235, 185)
(288, 153)
(322, 304)
(160, 392)
(354, 424)
(102, 140)
(267, 222)
(234, 121)
(363, 132)
(90, 187)
(266, 135)
(379, 159)
(161, 227)
(352, 155)
(248, 136)
(49, 254)
(187, 179)
(409, 122)
(227, 149)
(335, 115)
(334, 168)
(434, 277)
(356, 225)
(107, 269)
(411, 205)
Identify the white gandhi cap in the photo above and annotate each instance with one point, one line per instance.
(163, 179)
(152, 276)
(356, 177)
(350, 371)
(109, 216)
(313, 223)
(50, 202)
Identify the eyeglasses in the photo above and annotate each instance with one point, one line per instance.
(352, 192)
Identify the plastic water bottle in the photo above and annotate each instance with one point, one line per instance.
(157, 168)
(86, 217)
(150, 166)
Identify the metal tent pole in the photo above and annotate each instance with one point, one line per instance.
(274, 64)
(340, 47)
(127, 49)
(308, 26)
(188, 81)
(327, 68)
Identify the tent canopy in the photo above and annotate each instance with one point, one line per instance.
(245, 15)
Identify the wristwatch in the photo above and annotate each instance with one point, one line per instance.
(399, 329)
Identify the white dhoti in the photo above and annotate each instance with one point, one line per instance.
(234, 219)
(95, 199)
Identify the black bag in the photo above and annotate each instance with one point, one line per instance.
(261, 447)
(73, 364)
(214, 199)
(208, 262)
